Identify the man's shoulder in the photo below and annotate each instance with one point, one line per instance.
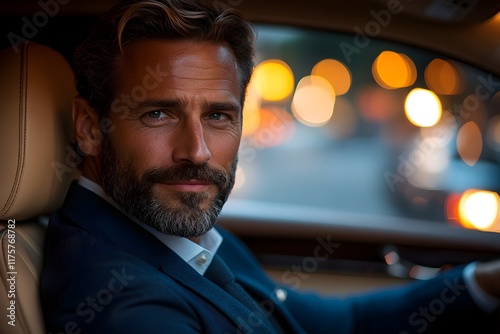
(98, 280)
(71, 248)
(67, 243)
(90, 263)
(76, 251)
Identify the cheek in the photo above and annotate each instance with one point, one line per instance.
(224, 149)
(151, 152)
(145, 150)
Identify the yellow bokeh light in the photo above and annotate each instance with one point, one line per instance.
(478, 209)
(314, 101)
(423, 107)
(336, 73)
(273, 80)
(442, 77)
(469, 143)
(394, 70)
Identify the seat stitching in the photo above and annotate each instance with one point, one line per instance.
(22, 130)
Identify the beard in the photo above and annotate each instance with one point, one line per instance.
(135, 194)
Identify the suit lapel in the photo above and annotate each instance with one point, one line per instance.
(101, 219)
(251, 276)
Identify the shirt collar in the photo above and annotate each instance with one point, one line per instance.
(198, 256)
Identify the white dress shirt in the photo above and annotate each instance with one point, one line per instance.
(199, 256)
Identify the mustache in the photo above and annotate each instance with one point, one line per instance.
(187, 172)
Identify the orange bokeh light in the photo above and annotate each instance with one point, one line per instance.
(442, 77)
(470, 143)
(336, 73)
(393, 70)
(474, 209)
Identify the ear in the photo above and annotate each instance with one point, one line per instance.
(86, 127)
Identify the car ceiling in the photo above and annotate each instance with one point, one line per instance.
(467, 30)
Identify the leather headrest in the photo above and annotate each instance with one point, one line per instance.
(37, 164)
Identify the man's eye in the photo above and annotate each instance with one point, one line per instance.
(217, 116)
(155, 118)
(156, 114)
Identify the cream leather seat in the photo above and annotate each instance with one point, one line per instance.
(36, 90)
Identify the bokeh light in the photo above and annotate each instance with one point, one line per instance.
(469, 143)
(412, 69)
(394, 70)
(314, 101)
(273, 80)
(478, 209)
(423, 107)
(442, 77)
(336, 73)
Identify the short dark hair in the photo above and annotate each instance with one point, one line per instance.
(130, 20)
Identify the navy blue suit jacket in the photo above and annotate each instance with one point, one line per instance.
(105, 274)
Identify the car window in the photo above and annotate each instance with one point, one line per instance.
(353, 124)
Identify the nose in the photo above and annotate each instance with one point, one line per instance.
(190, 145)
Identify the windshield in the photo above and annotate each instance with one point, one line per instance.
(354, 124)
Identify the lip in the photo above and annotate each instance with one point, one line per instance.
(187, 185)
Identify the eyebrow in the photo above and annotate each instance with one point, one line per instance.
(180, 104)
(160, 104)
(222, 106)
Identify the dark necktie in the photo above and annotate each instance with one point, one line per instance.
(219, 273)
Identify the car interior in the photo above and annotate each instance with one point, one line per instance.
(37, 90)
(291, 211)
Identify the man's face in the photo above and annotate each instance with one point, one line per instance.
(169, 159)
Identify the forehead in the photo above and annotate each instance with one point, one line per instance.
(181, 65)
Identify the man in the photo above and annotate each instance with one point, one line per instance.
(134, 248)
